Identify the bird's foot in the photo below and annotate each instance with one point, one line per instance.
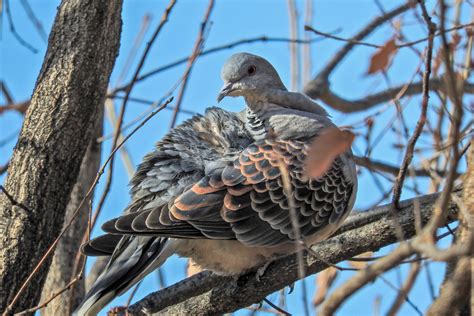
(261, 270)
(291, 287)
(117, 310)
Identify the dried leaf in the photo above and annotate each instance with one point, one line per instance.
(324, 281)
(455, 40)
(325, 148)
(381, 59)
(361, 264)
(192, 268)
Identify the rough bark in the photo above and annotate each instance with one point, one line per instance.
(61, 271)
(207, 294)
(72, 84)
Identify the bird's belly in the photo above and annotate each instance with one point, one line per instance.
(228, 257)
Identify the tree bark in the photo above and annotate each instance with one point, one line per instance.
(71, 86)
(61, 271)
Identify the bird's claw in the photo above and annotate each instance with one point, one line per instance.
(292, 287)
(261, 270)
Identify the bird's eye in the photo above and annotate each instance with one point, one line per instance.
(252, 70)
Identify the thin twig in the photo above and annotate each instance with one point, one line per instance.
(12, 200)
(4, 168)
(397, 189)
(198, 46)
(385, 167)
(343, 105)
(264, 39)
(363, 277)
(134, 49)
(281, 310)
(321, 82)
(361, 43)
(294, 56)
(11, 24)
(53, 296)
(6, 92)
(36, 22)
(396, 289)
(403, 292)
(454, 133)
(338, 38)
(306, 49)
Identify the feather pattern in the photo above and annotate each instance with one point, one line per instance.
(245, 199)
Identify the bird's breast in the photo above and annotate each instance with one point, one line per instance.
(229, 257)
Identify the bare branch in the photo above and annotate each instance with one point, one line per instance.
(6, 92)
(264, 39)
(403, 293)
(336, 102)
(408, 44)
(398, 186)
(198, 45)
(11, 24)
(387, 168)
(321, 82)
(307, 64)
(36, 22)
(294, 55)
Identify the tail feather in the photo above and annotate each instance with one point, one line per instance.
(134, 257)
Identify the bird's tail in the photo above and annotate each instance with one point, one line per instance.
(133, 258)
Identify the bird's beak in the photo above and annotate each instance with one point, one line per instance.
(225, 91)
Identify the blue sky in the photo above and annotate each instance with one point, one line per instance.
(231, 20)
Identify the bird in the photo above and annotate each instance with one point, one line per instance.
(213, 188)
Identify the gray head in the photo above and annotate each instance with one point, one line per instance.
(245, 74)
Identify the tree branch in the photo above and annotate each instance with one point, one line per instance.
(338, 103)
(210, 294)
(391, 169)
(321, 82)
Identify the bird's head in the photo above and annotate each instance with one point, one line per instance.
(246, 75)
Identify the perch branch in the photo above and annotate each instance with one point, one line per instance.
(211, 294)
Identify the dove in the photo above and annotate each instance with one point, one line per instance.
(212, 189)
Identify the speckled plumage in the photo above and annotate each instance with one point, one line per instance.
(213, 190)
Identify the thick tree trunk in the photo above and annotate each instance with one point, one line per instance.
(61, 271)
(57, 129)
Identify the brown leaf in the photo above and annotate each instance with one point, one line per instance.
(324, 281)
(325, 148)
(381, 59)
(361, 264)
